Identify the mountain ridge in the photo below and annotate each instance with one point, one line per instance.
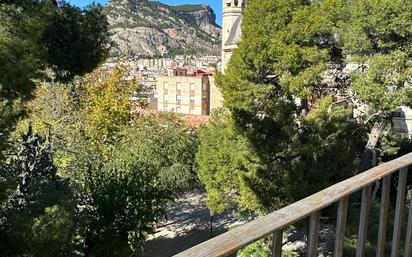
(150, 29)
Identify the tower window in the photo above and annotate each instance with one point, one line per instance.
(236, 3)
(228, 4)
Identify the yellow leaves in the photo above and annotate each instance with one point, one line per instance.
(106, 104)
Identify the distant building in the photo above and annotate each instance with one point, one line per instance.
(402, 121)
(184, 94)
(231, 28)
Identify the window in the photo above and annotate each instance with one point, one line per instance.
(192, 100)
(205, 86)
(178, 86)
(192, 86)
(178, 100)
(165, 85)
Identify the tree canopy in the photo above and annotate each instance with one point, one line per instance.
(123, 170)
(44, 40)
(294, 88)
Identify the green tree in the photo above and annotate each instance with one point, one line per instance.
(122, 200)
(126, 190)
(105, 104)
(20, 62)
(38, 35)
(376, 37)
(226, 161)
(76, 40)
(166, 144)
(268, 151)
(123, 171)
(37, 215)
(36, 210)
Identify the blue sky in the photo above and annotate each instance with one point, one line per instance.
(215, 4)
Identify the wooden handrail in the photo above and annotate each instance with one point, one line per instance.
(244, 235)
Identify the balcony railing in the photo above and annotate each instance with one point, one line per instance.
(274, 223)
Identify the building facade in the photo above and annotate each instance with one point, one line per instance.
(184, 94)
(402, 121)
(231, 28)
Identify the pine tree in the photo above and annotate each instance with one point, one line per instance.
(35, 202)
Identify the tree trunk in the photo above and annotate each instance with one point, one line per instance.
(368, 159)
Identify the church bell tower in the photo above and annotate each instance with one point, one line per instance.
(231, 28)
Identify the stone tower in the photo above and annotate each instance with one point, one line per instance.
(232, 28)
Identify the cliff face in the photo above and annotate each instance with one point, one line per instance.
(205, 18)
(144, 29)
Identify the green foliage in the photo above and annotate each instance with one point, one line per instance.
(316, 165)
(280, 52)
(372, 27)
(376, 36)
(9, 114)
(73, 34)
(36, 208)
(375, 40)
(385, 84)
(257, 249)
(270, 149)
(20, 52)
(52, 232)
(105, 104)
(226, 162)
(236, 171)
(188, 8)
(20, 61)
(165, 144)
(37, 35)
(115, 194)
(277, 155)
(90, 113)
(284, 50)
(123, 171)
(261, 248)
(122, 200)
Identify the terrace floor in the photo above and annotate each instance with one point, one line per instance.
(188, 224)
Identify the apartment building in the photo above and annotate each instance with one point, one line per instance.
(184, 94)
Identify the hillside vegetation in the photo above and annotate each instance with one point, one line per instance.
(188, 8)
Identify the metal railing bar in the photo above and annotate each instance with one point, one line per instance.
(400, 204)
(383, 216)
(241, 236)
(363, 221)
(277, 243)
(341, 226)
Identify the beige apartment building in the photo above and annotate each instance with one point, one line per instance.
(184, 94)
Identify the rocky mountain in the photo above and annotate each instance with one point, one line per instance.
(145, 29)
